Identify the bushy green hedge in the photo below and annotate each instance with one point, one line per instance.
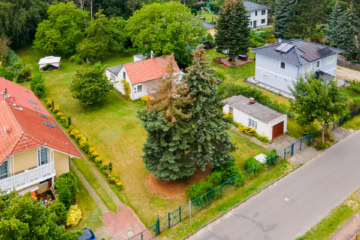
(66, 186)
(59, 209)
(354, 86)
(229, 90)
(38, 86)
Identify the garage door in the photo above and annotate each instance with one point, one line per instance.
(278, 130)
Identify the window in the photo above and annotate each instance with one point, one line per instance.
(139, 88)
(282, 65)
(113, 77)
(318, 64)
(255, 13)
(43, 156)
(250, 23)
(252, 124)
(263, 21)
(4, 170)
(124, 75)
(231, 109)
(330, 60)
(263, 12)
(308, 68)
(266, 75)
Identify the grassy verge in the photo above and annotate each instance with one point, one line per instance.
(91, 214)
(208, 16)
(353, 123)
(335, 219)
(230, 198)
(92, 180)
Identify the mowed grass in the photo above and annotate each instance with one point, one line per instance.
(335, 219)
(91, 214)
(209, 16)
(113, 128)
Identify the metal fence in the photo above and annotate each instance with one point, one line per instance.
(186, 211)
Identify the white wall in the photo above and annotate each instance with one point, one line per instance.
(258, 18)
(263, 129)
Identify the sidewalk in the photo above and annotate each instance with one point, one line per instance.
(349, 229)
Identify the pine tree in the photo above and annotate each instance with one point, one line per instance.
(233, 33)
(333, 26)
(210, 145)
(283, 9)
(349, 34)
(168, 139)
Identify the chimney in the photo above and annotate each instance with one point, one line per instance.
(251, 100)
(152, 55)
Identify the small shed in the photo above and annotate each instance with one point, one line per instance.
(49, 63)
(266, 121)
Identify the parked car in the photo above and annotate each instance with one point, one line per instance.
(87, 235)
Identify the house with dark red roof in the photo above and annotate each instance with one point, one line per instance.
(142, 75)
(34, 150)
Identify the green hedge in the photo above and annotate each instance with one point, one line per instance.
(66, 186)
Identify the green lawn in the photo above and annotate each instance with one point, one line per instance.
(117, 134)
(335, 219)
(208, 16)
(91, 214)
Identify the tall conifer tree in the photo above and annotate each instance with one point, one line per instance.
(283, 9)
(233, 33)
(211, 144)
(332, 30)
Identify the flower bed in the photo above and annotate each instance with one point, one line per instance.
(82, 141)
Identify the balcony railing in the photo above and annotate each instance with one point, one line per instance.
(28, 178)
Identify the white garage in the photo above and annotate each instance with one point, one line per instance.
(266, 121)
(49, 63)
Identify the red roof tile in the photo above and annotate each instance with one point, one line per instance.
(149, 69)
(24, 129)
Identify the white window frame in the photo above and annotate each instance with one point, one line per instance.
(284, 65)
(263, 21)
(252, 124)
(266, 75)
(113, 77)
(7, 169)
(330, 60)
(308, 68)
(263, 12)
(39, 156)
(256, 13)
(139, 88)
(318, 62)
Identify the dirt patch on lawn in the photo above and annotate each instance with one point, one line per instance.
(174, 189)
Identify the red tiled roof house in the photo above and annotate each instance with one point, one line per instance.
(33, 148)
(142, 74)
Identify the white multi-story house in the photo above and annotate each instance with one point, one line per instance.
(279, 65)
(258, 14)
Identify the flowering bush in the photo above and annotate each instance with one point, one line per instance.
(145, 99)
(98, 159)
(48, 103)
(73, 216)
(246, 130)
(59, 114)
(104, 165)
(229, 115)
(56, 109)
(74, 132)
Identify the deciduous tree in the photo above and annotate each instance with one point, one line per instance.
(166, 28)
(318, 100)
(233, 33)
(90, 85)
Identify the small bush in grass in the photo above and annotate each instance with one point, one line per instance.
(126, 89)
(73, 216)
(228, 171)
(25, 74)
(69, 122)
(59, 209)
(240, 180)
(38, 86)
(253, 166)
(66, 186)
(198, 189)
(215, 179)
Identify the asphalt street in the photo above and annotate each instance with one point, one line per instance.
(290, 207)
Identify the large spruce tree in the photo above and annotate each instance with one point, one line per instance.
(211, 144)
(332, 30)
(233, 33)
(168, 140)
(349, 34)
(283, 11)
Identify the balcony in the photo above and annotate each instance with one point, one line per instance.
(28, 178)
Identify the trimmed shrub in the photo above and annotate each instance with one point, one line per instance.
(66, 186)
(198, 189)
(228, 171)
(38, 86)
(73, 216)
(59, 209)
(25, 74)
(253, 166)
(126, 89)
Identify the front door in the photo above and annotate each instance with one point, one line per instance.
(254, 24)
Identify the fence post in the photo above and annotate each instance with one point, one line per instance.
(292, 149)
(157, 232)
(169, 219)
(284, 153)
(190, 211)
(309, 136)
(180, 214)
(301, 144)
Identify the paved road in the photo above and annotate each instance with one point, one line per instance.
(293, 205)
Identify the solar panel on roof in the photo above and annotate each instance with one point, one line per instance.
(49, 124)
(281, 47)
(287, 48)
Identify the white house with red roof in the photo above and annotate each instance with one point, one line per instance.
(142, 75)
(33, 148)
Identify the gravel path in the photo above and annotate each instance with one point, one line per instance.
(347, 74)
